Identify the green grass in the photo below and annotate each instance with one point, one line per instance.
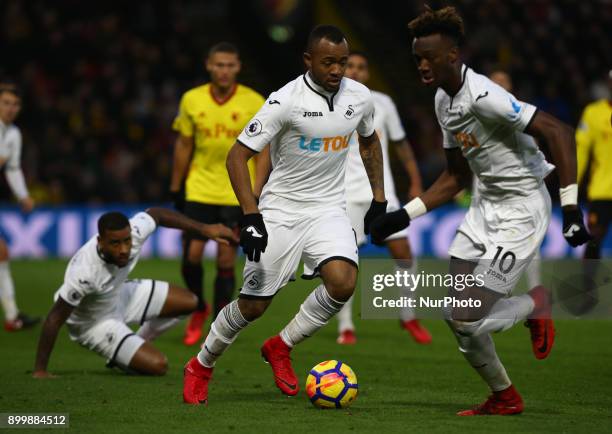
(403, 387)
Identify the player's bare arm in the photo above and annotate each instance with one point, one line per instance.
(455, 178)
(263, 167)
(183, 149)
(371, 155)
(253, 235)
(561, 141)
(55, 319)
(171, 219)
(238, 170)
(406, 156)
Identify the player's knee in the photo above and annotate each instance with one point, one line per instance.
(158, 365)
(190, 261)
(341, 290)
(191, 302)
(252, 309)
(226, 257)
(465, 328)
(4, 253)
(598, 232)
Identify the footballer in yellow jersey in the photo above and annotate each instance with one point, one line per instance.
(594, 146)
(210, 118)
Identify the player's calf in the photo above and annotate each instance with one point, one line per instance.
(148, 360)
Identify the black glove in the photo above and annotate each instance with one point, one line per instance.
(178, 200)
(574, 231)
(253, 236)
(376, 209)
(389, 224)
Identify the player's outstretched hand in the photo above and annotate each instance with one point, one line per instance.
(388, 224)
(253, 236)
(27, 205)
(574, 231)
(376, 209)
(220, 233)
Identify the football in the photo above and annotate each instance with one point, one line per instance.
(332, 384)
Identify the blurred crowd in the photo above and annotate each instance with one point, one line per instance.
(102, 82)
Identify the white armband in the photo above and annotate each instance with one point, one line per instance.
(569, 195)
(415, 208)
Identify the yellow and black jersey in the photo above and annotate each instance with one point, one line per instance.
(594, 143)
(214, 125)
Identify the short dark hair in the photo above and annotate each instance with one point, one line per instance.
(10, 87)
(112, 221)
(324, 31)
(359, 53)
(445, 21)
(223, 47)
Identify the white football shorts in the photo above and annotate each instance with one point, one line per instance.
(503, 237)
(111, 337)
(315, 239)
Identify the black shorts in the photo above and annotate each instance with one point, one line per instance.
(600, 213)
(210, 214)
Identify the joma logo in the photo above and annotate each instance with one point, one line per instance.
(312, 114)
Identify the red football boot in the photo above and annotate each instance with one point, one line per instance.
(276, 353)
(504, 403)
(22, 322)
(347, 337)
(193, 332)
(541, 324)
(195, 382)
(418, 332)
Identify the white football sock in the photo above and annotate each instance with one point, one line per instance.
(345, 316)
(314, 313)
(154, 327)
(504, 314)
(223, 331)
(7, 293)
(407, 313)
(479, 351)
(532, 272)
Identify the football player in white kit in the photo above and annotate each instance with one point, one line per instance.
(358, 196)
(307, 123)
(482, 128)
(97, 301)
(10, 158)
(533, 271)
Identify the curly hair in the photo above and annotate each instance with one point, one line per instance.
(445, 21)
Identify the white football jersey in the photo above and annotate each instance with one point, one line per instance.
(308, 130)
(10, 146)
(92, 285)
(10, 158)
(487, 122)
(388, 127)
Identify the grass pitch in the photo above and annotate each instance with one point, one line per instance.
(403, 387)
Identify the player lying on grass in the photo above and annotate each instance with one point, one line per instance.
(97, 301)
(307, 123)
(482, 128)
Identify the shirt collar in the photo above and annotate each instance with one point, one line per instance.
(316, 87)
